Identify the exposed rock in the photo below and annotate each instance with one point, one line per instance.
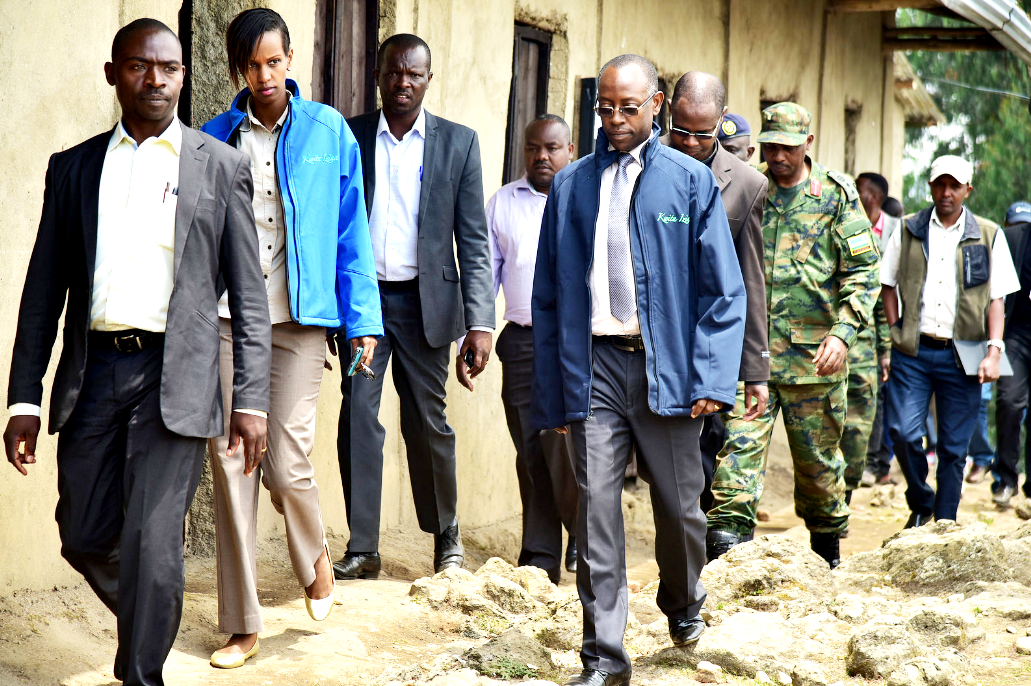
(1022, 531)
(508, 595)
(922, 671)
(763, 678)
(859, 609)
(642, 604)
(564, 628)
(807, 673)
(761, 603)
(1010, 601)
(747, 642)
(1018, 558)
(770, 565)
(708, 673)
(936, 557)
(510, 655)
(879, 647)
(783, 678)
(822, 627)
(1023, 645)
(945, 627)
(1023, 508)
(533, 580)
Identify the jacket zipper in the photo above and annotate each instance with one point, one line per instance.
(285, 181)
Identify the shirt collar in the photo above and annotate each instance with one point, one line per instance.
(524, 183)
(960, 222)
(418, 127)
(172, 136)
(251, 119)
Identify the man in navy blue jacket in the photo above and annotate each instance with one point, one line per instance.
(639, 316)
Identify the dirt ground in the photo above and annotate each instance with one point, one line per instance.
(67, 637)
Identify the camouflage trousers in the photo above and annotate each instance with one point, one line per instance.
(814, 415)
(860, 413)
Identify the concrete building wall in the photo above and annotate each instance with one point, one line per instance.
(771, 49)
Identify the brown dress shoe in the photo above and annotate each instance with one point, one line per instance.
(976, 474)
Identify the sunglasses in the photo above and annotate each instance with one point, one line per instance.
(629, 111)
(700, 136)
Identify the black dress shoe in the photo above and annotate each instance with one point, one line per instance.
(596, 677)
(719, 541)
(1003, 496)
(916, 519)
(447, 549)
(571, 555)
(686, 631)
(826, 546)
(357, 566)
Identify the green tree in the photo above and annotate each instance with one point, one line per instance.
(991, 130)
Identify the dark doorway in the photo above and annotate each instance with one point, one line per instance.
(528, 96)
(346, 38)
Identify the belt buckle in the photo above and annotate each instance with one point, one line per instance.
(119, 340)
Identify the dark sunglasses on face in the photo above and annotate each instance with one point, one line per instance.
(629, 111)
(684, 133)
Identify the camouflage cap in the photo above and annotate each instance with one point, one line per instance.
(785, 123)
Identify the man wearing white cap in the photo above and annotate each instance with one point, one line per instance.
(950, 270)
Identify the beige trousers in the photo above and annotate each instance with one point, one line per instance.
(298, 353)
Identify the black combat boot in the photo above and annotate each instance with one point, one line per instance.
(719, 541)
(826, 546)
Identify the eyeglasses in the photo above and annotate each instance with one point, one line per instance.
(629, 111)
(700, 136)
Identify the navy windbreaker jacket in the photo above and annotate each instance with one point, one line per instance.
(690, 295)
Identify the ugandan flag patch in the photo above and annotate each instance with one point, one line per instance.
(860, 243)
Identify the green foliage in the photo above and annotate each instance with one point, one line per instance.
(991, 130)
(506, 668)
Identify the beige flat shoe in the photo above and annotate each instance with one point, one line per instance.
(233, 660)
(320, 609)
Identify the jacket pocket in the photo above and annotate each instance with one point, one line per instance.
(207, 321)
(450, 274)
(807, 335)
(977, 267)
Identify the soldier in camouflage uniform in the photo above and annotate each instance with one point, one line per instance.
(821, 285)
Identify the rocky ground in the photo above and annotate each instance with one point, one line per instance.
(944, 604)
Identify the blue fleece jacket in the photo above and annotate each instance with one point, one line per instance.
(331, 271)
(690, 295)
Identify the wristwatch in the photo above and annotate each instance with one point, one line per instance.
(998, 344)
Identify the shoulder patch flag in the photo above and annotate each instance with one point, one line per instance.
(860, 243)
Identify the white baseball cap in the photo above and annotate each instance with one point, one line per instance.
(953, 165)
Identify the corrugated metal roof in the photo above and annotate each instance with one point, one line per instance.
(918, 107)
(1007, 23)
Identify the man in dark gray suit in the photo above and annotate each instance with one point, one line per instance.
(424, 195)
(698, 106)
(137, 225)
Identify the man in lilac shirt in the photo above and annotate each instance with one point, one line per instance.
(547, 485)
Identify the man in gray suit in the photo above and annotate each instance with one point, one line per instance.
(137, 225)
(424, 195)
(698, 106)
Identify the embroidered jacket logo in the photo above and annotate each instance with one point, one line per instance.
(674, 218)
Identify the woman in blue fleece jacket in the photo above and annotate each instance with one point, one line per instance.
(316, 255)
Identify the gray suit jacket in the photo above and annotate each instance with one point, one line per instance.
(214, 233)
(743, 189)
(451, 213)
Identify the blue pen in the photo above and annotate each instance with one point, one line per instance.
(420, 173)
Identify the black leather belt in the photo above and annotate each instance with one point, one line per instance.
(400, 286)
(625, 343)
(128, 341)
(935, 343)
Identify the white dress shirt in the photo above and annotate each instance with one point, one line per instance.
(514, 216)
(260, 145)
(938, 297)
(602, 321)
(139, 186)
(394, 221)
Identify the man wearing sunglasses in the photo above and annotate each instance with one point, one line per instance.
(821, 285)
(638, 319)
(698, 110)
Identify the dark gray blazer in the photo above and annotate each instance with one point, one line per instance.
(214, 233)
(743, 189)
(454, 297)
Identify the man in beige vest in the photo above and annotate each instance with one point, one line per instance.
(950, 271)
